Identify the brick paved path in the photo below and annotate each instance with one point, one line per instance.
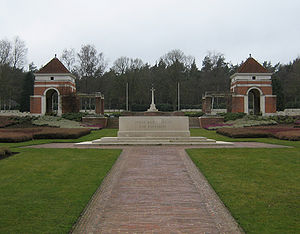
(155, 190)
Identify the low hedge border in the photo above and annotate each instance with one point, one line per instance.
(279, 133)
(26, 134)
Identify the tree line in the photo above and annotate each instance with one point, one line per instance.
(171, 70)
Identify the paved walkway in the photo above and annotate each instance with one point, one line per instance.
(155, 190)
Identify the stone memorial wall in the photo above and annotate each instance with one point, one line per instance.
(154, 126)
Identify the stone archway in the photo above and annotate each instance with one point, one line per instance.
(254, 101)
(51, 101)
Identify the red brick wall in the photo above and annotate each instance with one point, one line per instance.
(206, 121)
(243, 90)
(100, 121)
(35, 105)
(55, 83)
(237, 104)
(251, 83)
(270, 103)
(62, 90)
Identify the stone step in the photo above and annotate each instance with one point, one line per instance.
(208, 142)
(162, 139)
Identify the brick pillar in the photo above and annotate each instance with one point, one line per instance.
(99, 104)
(102, 106)
(206, 104)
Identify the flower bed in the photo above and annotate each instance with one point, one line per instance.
(61, 133)
(216, 126)
(25, 134)
(284, 133)
(56, 122)
(288, 135)
(243, 132)
(6, 121)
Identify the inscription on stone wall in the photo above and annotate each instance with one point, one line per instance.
(154, 126)
(151, 124)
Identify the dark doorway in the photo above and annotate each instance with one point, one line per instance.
(51, 102)
(254, 102)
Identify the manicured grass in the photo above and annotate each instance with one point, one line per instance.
(45, 190)
(259, 186)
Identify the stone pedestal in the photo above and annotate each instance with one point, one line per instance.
(152, 108)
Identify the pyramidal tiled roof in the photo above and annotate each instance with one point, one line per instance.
(54, 66)
(252, 66)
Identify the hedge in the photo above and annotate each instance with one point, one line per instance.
(25, 134)
(280, 133)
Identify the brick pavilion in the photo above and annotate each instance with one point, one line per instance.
(52, 82)
(55, 92)
(251, 89)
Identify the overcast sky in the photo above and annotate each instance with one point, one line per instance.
(147, 29)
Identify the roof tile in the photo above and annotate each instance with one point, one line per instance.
(252, 66)
(54, 66)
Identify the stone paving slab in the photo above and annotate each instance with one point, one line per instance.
(155, 190)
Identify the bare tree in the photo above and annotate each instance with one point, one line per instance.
(136, 64)
(68, 58)
(5, 51)
(177, 56)
(213, 60)
(19, 53)
(91, 64)
(123, 64)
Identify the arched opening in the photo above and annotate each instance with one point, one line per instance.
(51, 101)
(254, 102)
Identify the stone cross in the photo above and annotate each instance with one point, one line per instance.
(152, 105)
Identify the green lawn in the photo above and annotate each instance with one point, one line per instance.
(259, 186)
(45, 190)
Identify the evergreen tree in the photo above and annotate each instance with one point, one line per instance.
(27, 91)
